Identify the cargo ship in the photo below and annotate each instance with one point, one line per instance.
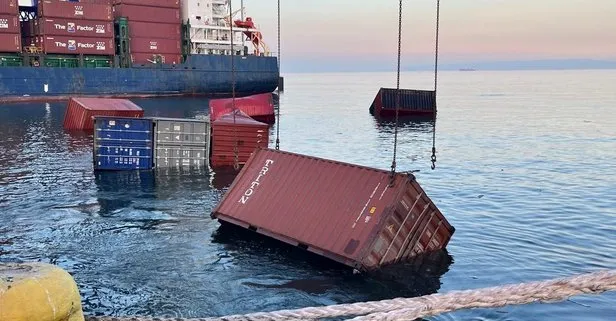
(54, 49)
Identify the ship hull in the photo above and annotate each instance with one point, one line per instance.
(207, 75)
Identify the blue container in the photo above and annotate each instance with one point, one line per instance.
(123, 143)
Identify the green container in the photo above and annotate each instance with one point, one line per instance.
(97, 61)
(61, 61)
(11, 61)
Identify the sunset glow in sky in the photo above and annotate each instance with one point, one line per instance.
(470, 29)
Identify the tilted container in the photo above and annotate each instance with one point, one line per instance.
(259, 107)
(412, 102)
(346, 212)
(181, 142)
(247, 132)
(74, 10)
(122, 143)
(81, 111)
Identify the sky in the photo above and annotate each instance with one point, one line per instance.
(363, 34)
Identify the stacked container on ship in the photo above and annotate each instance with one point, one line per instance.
(10, 32)
(74, 33)
(154, 29)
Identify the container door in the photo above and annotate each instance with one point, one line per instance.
(122, 144)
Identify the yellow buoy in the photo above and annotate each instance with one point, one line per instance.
(38, 291)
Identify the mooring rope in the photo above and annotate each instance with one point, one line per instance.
(414, 308)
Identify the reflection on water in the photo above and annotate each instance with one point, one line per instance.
(528, 182)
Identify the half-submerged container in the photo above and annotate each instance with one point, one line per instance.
(412, 103)
(181, 142)
(80, 111)
(122, 143)
(345, 212)
(260, 107)
(249, 134)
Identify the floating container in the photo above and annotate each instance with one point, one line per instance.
(150, 58)
(122, 143)
(138, 29)
(73, 27)
(151, 45)
(9, 7)
(181, 142)
(74, 10)
(147, 14)
(248, 133)
(151, 3)
(342, 211)
(259, 107)
(412, 103)
(10, 42)
(80, 111)
(76, 45)
(9, 23)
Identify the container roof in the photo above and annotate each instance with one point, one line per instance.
(241, 118)
(91, 103)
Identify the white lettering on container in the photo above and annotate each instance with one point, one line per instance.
(251, 190)
(85, 28)
(79, 10)
(4, 23)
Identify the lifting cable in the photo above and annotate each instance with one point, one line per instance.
(236, 164)
(433, 157)
(393, 163)
(278, 111)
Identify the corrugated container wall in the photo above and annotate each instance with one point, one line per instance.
(122, 143)
(249, 134)
(259, 107)
(412, 102)
(9, 23)
(80, 111)
(74, 10)
(76, 45)
(152, 3)
(9, 7)
(181, 142)
(150, 29)
(149, 58)
(151, 45)
(345, 212)
(10, 42)
(147, 14)
(73, 27)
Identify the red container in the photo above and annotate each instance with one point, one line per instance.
(152, 3)
(147, 14)
(9, 6)
(76, 45)
(412, 103)
(138, 29)
(74, 10)
(148, 58)
(345, 212)
(74, 27)
(248, 133)
(152, 45)
(10, 42)
(9, 23)
(260, 107)
(80, 112)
